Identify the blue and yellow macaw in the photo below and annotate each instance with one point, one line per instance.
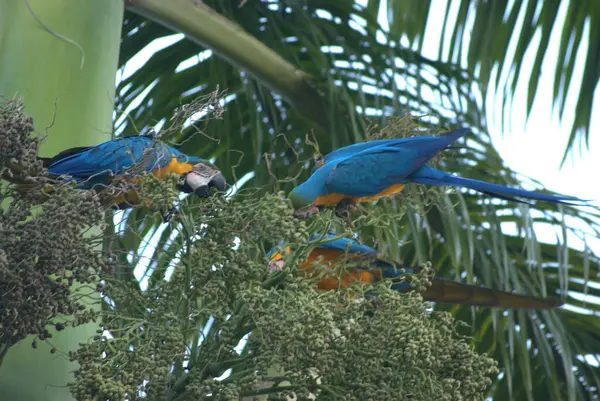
(367, 171)
(127, 159)
(340, 250)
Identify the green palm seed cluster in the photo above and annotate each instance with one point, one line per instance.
(381, 348)
(226, 259)
(45, 246)
(159, 194)
(18, 142)
(272, 335)
(134, 365)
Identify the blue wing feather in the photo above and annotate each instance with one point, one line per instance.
(423, 143)
(387, 269)
(376, 168)
(368, 168)
(371, 171)
(355, 148)
(344, 244)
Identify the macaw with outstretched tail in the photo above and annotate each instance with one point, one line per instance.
(367, 171)
(126, 159)
(338, 250)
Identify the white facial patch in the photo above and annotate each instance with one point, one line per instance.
(195, 180)
(201, 175)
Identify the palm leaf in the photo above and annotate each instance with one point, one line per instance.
(494, 38)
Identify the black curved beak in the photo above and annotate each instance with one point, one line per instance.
(217, 181)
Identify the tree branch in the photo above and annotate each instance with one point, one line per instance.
(205, 26)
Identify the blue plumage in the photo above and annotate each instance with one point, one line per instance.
(441, 290)
(430, 176)
(125, 160)
(366, 170)
(424, 142)
(344, 244)
(99, 163)
(351, 246)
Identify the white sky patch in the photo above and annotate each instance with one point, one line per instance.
(590, 359)
(142, 57)
(132, 106)
(120, 220)
(193, 91)
(171, 269)
(194, 60)
(531, 147)
(593, 285)
(332, 49)
(143, 269)
(324, 14)
(224, 375)
(577, 309)
(242, 344)
(239, 184)
(380, 35)
(146, 266)
(201, 114)
(586, 298)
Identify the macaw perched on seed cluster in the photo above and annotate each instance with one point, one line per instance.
(446, 291)
(127, 159)
(367, 171)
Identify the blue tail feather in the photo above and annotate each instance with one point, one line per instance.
(431, 176)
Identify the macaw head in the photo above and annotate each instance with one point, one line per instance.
(299, 198)
(304, 195)
(304, 207)
(202, 178)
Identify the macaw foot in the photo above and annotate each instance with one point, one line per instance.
(344, 209)
(346, 205)
(306, 212)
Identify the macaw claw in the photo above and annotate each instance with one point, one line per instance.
(306, 212)
(344, 209)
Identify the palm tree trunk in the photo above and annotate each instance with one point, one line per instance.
(61, 57)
